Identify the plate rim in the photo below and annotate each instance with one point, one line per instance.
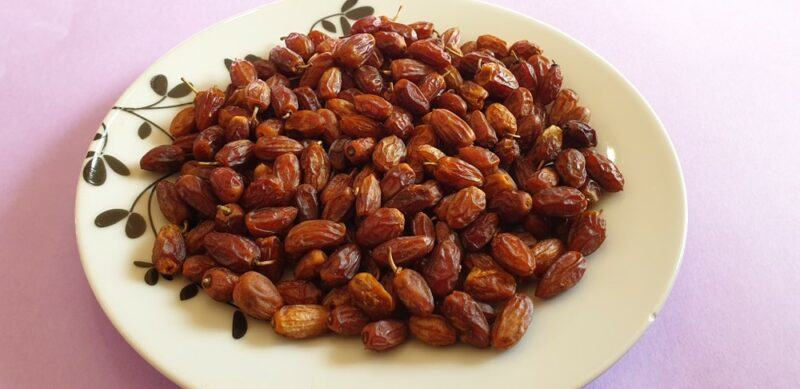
(597, 372)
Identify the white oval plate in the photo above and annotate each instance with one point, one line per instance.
(572, 339)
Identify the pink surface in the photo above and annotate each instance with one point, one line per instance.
(721, 75)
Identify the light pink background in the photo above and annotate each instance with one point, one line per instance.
(722, 75)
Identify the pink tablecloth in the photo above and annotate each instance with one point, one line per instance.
(722, 75)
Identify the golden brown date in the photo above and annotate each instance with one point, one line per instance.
(301, 321)
(513, 254)
(169, 250)
(512, 322)
(314, 234)
(369, 295)
(219, 283)
(257, 296)
(433, 330)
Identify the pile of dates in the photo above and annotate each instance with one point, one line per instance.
(392, 181)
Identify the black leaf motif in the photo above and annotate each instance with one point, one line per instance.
(345, 25)
(328, 26)
(97, 136)
(228, 63)
(239, 324)
(151, 277)
(144, 130)
(166, 277)
(348, 4)
(143, 264)
(189, 291)
(110, 217)
(252, 57)
(90, 154)
(179, 90)
(360, 12)
(94, 172)
(135, 226)
(116, 165)
(159, 84)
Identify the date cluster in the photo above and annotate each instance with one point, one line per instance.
(389, 182)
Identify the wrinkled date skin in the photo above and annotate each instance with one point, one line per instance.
(369, 295)
(587, 233)
(466, 316)
(257, 296)
(512, 322)
(169, 251)
(433, 330)
(171, 204)
(314, 234)
(383, 335)
(195, 266)
(347, 320)
(513, 254)
(413, 292)
(403, 250)
(219, 283)
(562, 275)
(233, 251)
(382, 225)
(442, 268)
(341, 266)
(301, 321)
(559, 201)
(393, 178)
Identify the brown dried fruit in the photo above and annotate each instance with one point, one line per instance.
(457, 173)
(466, 206)
(415, 198)
(545, 252)
(163, 159)
(490, 285)
(511, 206)
(513, 254)
(512, 322)
(232, 251)
(480, 232)
(347, 320)
(396, 178)
(383, 335)
(230, 218)
(195, 266)
(198, 193)
(269, 148)
(353, 51)
(442, 268)
(195, 237)
(257, 296)
(299, 292)
(341, 266)
(466, 316)
(308, 267)
(563, 274)
(301, 321)
(587, 233)
(433, 330)
(175, 210)
(219, 283)
(183, 123)
(409, 69)
(603, 170)
(382, 225)
(559, 201)
(369, 295)
(169, 250)
(314, 234)
(485, 135)
(403, 250)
